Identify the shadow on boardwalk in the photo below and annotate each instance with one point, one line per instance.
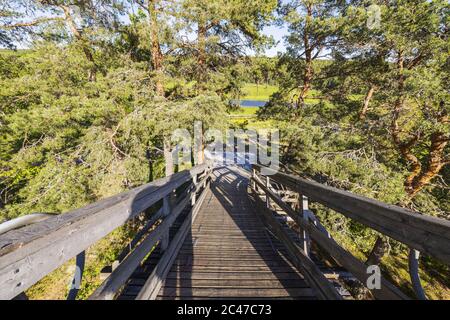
(229, 254)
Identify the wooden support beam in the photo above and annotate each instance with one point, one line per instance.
(166, 212)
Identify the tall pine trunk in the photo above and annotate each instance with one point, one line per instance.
(157, 57)
(419, 176)
(157, 65)
(85, 47)
(367, 98)
(308, 72)
(201, 55)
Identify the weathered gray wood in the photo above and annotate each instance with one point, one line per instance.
(427, 234)
(166, 211)
(387, 291)
(151, 287)
(238, 292)
(235, 298)
(413, 265)
(120, 275)
(209, 262)
(30, 253)
(241, 276)
(237, 283)
(313, 275)
(228, 252)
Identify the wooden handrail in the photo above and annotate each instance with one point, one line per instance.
(429, 235)
(387, 291)
(30, 253)
(110, 287)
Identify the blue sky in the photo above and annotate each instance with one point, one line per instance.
(277, 33)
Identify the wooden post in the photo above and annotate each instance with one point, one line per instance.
(253, 179)
(306, 239)
(413, 264)
(193, 198)
(166, 212)
(267, 196)
(297, 207)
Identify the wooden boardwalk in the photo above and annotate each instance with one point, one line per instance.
(228, 252)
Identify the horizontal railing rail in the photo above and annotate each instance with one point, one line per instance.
(427, 234)
(31, 252)
(23, 221)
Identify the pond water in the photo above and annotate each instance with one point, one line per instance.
(250, 103)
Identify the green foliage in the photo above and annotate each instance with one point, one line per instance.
(80, 119)
(258, 91)
(69, 141)
(332, 141)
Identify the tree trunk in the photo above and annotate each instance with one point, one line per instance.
(308, 72)
(404, 147)
(365, 108)
(157, 57)
(148, 155)
(434, 164)
(358, 289)
(418, 176)
(378, 251)
(87, 51)
(201, 54)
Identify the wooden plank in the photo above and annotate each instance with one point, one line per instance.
(232, 237)
(257, 263)
(234, 283)
(236, 268)
(235, 298)
(248, 275)
(30, 253)
(427, 234)
(356, 267)
(237, 292)
(243, 247)
(216, 229)
(219, 252)
(230, 256)
(227, 283)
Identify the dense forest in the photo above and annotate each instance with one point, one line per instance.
(90, 91)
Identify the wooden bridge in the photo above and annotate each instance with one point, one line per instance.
(219, 233)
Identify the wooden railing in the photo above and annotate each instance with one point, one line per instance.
(30, 253)
(420, 233)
